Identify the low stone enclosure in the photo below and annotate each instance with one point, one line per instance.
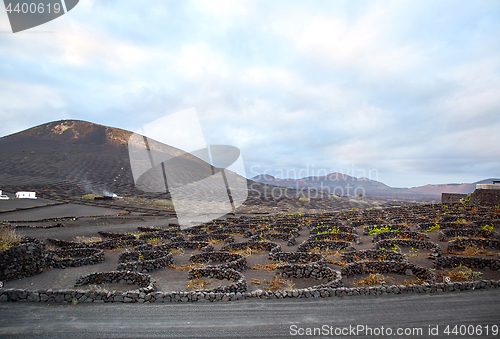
(332, 229)
(327, 245)
(398, 267)
(145, 281)
(24, 260)
(434, 249)
(390, 229)
(372, 255)
(239, 281)
(234, 261)
(144, 260)
(446, 234)
(469, 261)
(462, 243)
(403, 235)
(74, 257)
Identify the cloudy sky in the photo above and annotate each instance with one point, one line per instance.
(409, 90)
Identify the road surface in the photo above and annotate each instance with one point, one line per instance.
(259, 318)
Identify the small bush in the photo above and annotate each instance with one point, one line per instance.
(246, 252)
(461, 273)
(377, 229)
(187, 267)
(336, 262)
(466, 200)
(87, 239)
(472, 250)
(198, 283)
(267, 266)
(432, 228)
(372, 279)
(91, 196)
(163, 203)
(414, 281)
(278, 282)
(8, 238)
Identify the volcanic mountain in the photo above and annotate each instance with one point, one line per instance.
(79, 157)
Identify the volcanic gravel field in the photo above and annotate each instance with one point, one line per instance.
(341, 239)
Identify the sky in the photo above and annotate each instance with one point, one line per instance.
(403, 92)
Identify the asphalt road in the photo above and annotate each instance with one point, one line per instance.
(258, 319)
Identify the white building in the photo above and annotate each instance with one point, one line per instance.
(3, 197)
(25, 195)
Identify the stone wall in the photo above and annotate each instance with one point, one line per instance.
(400, 235)
(74, 257)
(312, 271)
(372, 255)
(398, 267)
(445, 234)
(288, 237)
(105, 245)
(337, 236)
(449, 198)
(256, 245)
(486, 197)
(460, 244)
(299, 257)
(217, 272)
(25, 260)
(465, 260)
(309, 245)
(144, 260)
(145, 281)
(227, 238)
(234, 261)
(332, 229)
(367, 229)
(87, 296)
(433, 248)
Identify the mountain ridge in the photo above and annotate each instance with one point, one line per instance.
(370, 186)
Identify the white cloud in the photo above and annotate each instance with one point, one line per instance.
(23, 95)
(197, 61)
(224, 9)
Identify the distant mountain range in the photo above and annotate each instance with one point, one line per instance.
(343, 184)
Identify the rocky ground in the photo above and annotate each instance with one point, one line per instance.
(334, 227)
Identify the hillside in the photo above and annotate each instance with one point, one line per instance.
(78, 157)
(450, 188)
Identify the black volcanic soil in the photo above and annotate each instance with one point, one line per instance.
(170, 279)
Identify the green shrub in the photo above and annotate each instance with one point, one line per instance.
(465, 200)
